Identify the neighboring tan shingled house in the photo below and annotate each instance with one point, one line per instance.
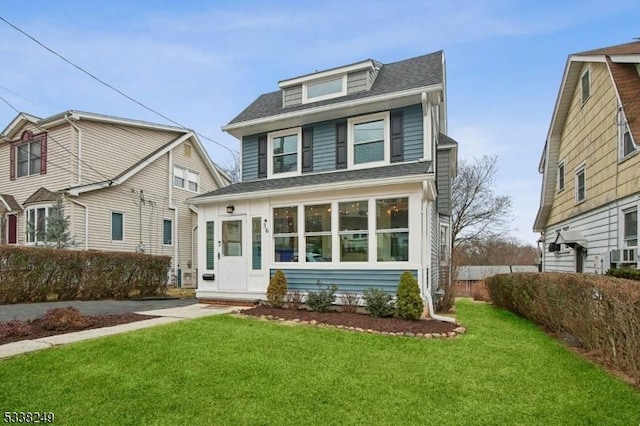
(123, 182)
(588, 214)
(346, 177)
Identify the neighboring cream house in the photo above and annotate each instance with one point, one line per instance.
(124, 184)
(588, 212)
(346, 179)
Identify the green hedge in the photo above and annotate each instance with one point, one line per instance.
(602, 312)
(29, 274)
(632, 274)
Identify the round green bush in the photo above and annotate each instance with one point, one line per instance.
(409, 304)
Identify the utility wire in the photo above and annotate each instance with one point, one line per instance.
(79, 68)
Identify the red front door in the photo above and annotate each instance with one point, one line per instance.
(13, 229)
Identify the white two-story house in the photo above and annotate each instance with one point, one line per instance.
(346, 177)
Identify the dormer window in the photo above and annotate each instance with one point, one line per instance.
(326, 89)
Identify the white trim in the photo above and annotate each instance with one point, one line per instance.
(622, 125)
(625, 59)
(316, 188)
(368, 64)
(280, 133)
(564, 177)
(172, 232)
(587, 71)
(315, 110)
(342, 92)
(46, 206)
(111, 212)
(354, 121)
(582, 168)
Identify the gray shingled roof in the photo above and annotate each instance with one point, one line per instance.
(11, 201)
(446, 140)
(396, 170)
(411, 73)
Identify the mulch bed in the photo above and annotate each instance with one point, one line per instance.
(361, 321)
(37, 329)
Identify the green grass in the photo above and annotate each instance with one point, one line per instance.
(225, 370)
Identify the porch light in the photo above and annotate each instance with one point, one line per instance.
(230, 209)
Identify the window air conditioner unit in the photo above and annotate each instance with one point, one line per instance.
(614, 256)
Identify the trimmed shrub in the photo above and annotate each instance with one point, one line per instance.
(602, 313)
(295, 299)
(61, 319)
(629, 273)
(409, 304)
(36, 274)
(321, 300)
(379, 303)
(350, 301)
(277, 289)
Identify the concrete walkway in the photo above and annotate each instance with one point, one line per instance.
(167, 315)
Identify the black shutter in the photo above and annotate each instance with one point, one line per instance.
(262, 156)
(341, 145)
(397, 137)
(307, 149)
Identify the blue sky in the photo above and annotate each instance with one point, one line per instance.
(201, 63)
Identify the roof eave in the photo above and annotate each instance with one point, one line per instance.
(329, 112)
(322, 187)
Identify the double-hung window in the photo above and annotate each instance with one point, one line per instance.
(354, 231)
(285, 234)
(368, 140)
(186, 179)
(317, 233)
(285, 152)
(392, 229)
(580, 184)
(630, 224)
(625, 140)
(561, 176)
(28, 156)
(117, 226)
(167, 232)
(585, 81)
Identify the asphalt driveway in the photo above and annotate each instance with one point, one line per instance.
(29, 311)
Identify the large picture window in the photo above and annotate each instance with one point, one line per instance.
(317, 233)
(392, 229)
(354, 231)
(285, 234)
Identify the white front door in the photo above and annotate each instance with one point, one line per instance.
(233, 264)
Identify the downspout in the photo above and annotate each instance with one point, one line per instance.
(86, 221)
(427, 250)
(79, 156)
(175, 218)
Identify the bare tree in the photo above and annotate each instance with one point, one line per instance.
(477, 212)
(232, 168)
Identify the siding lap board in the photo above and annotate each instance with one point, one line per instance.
(349, 280)
(250, 158)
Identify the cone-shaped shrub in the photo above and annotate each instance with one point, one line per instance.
(409, 304)
(277, 290)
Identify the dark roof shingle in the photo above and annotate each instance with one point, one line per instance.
(421, 71)
(396, 170)
(632, 48)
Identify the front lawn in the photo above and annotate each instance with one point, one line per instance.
(225, 370)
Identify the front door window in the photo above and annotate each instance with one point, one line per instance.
(232, 238)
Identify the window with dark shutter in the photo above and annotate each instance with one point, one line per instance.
(397, 137)
(12, 162)
(262, 156)
(341, 145)
(307, 149)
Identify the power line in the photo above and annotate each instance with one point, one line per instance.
(79, 68)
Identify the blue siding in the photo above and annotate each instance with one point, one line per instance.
(350, 280)
(249, 158)
(413, 130)
(324, 146)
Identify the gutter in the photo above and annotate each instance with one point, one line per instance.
(79, 156)
(86, 221)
